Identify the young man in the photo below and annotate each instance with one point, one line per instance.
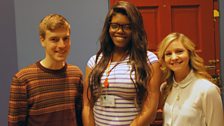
(48, 92)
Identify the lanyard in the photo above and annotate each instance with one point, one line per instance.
(108, 70)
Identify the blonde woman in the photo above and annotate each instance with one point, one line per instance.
(190, 99)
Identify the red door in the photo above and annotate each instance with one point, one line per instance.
(194, 18)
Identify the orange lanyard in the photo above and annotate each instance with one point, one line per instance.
(106, 83)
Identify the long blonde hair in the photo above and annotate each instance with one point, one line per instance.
(196, 63)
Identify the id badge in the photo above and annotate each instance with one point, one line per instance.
(107, 100)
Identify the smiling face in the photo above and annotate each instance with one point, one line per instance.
(120, 31)
(57, 45)
(177, 58)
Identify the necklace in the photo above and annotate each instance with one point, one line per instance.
(108, 70)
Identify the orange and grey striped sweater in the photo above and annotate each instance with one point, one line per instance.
(44, 97)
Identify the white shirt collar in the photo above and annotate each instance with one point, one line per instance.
(186, 81)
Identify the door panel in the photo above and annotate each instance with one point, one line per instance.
(187, 16)
(150, 15)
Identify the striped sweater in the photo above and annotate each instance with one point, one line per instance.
(44, 97)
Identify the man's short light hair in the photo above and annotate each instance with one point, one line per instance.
(53, 22)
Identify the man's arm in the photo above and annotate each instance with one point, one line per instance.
(18, 103)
